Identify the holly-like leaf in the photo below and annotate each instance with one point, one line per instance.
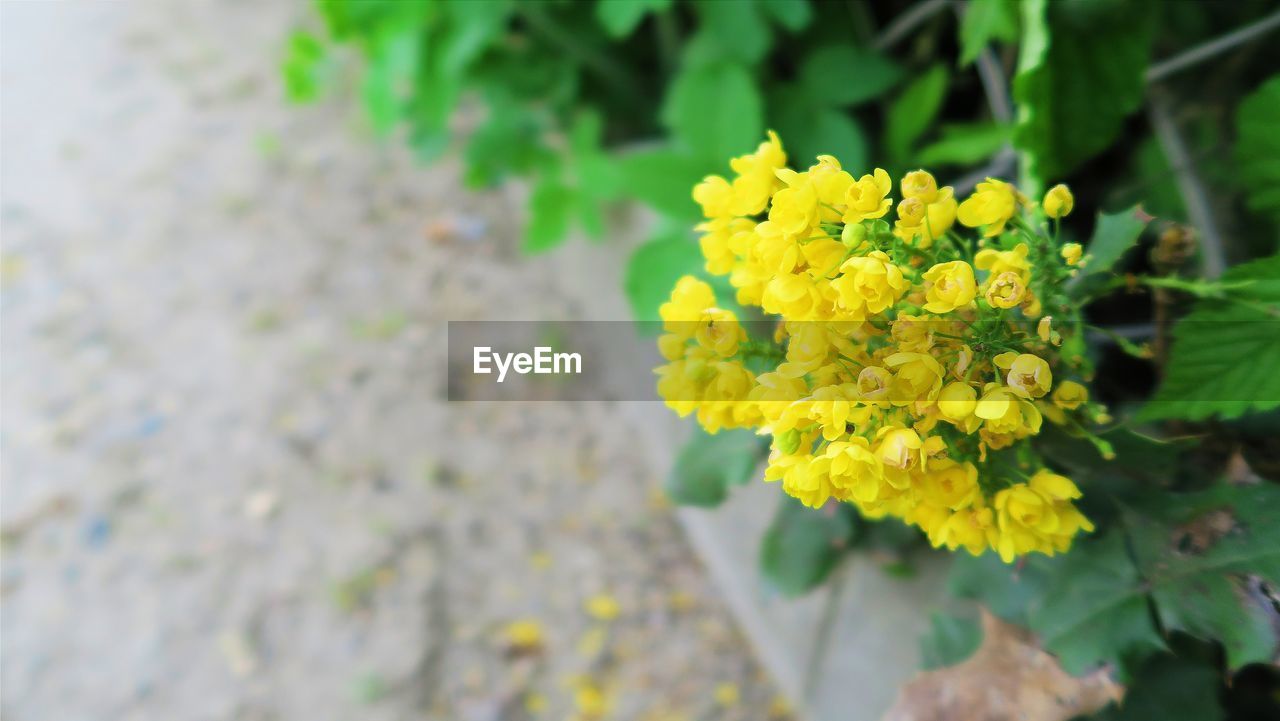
(1225, 352)
(1170, 688)
(951, 639)
(802, 546)
(1113, 234)
(1080, 74)
(1008, 591)
(1095, 610)
(709, 464)
(715, 110)
(1209, 559)
(1258, 147)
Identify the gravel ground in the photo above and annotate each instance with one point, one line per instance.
(231, 486)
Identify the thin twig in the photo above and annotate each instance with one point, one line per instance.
(994, 85)
(1165, 68)
(908, 21)
(1194, 194)
(1003, 164)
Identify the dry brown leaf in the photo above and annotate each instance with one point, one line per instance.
(1008, 677)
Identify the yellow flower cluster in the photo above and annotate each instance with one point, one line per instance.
(908, 365)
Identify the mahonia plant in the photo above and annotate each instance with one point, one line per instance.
(910, 364)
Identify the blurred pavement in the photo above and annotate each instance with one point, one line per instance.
(231, 486)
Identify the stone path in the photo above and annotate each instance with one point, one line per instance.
(231, 486)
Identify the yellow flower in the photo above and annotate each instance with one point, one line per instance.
(991, 205)
(1070, 395)
(951, 484)
(869, 284)
(854, 471)
(689, 299)
(756, 179)
(1005, 261)
(1038, 516)
(874, 384)
(911, 333)
(957, 401)
(867, 198)
(1005, 290)
(1005, 413)
(794, 209)
(910, 223)
(1071, 253)
(918, 377)
(715, 195)
(1058, 202)
(1029, 375)
(523, 634)
(719, 331)
(899, 452)
(950, 286)
(941, 215)
(919, 184)
(603, 607)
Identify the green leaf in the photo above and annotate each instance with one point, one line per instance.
(550, 209)
(1225, 352)
(808, 131)
(1113, 234)
(913, 111)
(1080, 73)
(664, 178)
(620, 17)
(1258, 147)
(709, 464)
(846, 75)
(1094, 610)
(729, 31)
(654, 269)
(1203, 556)
(1005, 590)
(965, 144)
(509, 141)
(794, 15)
(391, 66)
(802, 546)
(951, 639)
(303, 67)
(984, 21)
(1170, 688)
(472, 27)
(715, 111)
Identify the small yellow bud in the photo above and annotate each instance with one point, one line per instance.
(1071, 253)
(919, 184)
(1058, 202)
